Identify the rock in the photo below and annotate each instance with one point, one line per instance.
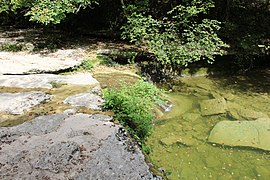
(45, 80)
(183, 140)
(79, 146)
(108, 51)
(212, 161)
(17, 103)
(70, 111)
(166, 107)
(88, 100)
(238, 112)
(23, 63)
(242, 133)
(59, 157)
(213, 106)
(118, 158)
(190, 117)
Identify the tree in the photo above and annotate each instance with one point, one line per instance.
(178, 37)
(45, 11)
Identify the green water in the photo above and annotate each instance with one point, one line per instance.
(179, 142)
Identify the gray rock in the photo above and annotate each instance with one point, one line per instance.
(24, 63)
(118, 158)
(17, 103)
(88, 100)
(41, 125)
(79, 146)
(213, 106)
(45, 80)
(166, 107)
(59, 157)
(242, 133)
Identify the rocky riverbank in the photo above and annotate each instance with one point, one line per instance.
(66, 144)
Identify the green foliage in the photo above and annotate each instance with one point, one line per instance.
(11, 47)
(87, 65)
(106, 60)
(46, 11)
(179, 38)
(132, 105)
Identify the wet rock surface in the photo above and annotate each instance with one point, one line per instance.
(238, 112)
(242, 133)
(79, 146)
(46, 80)
(17, 103)
(213, 106)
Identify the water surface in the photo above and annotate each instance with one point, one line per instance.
(179, 142)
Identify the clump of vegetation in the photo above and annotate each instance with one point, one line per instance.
(11, 47)
(106, 60)
(86, 65)
(133, 105)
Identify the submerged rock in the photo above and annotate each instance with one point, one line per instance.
(185, 140)
(242, 133)
(88, 100)
(213, 106)
(238, 112)
(79, 146)
(45, 80)
(17, 103)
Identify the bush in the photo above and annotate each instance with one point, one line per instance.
(180, 37)
(132, 105)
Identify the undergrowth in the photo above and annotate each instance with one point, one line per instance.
(133, 106)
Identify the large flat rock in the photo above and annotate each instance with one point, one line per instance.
(63, 146)
(23, 63)
(239, 112)
(45, 80)
(213, 106)
(242, 133)
(17, 103)
(88, 100)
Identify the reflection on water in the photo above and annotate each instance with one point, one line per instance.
(179, 142)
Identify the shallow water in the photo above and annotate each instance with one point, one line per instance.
(55, 105)
(179, 142)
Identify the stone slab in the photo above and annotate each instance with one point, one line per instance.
(71, 147)
(239, 112)
(88, 100)
(242, 133)
(46, 80)
(24, 63)
(17, 103)
(213, 106)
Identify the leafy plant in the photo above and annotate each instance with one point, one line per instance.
(11, 47)
(87, 65)
(179, 38)
(46, 11)
(132, 105)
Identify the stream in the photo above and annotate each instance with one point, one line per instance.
(179, 143)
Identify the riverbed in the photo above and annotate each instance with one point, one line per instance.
(179, 143)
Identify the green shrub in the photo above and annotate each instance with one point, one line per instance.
(11, 47)
(87, 65)
(180, 37)
(132, 105)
